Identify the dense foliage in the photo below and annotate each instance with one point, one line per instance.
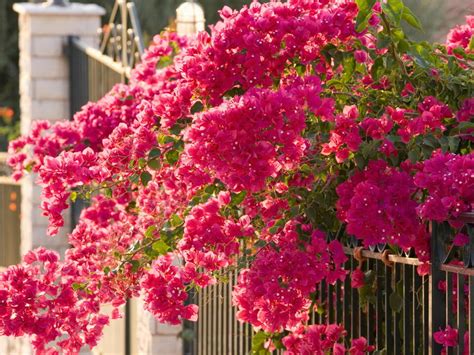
(259, 147)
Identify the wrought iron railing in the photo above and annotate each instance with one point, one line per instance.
(398, 314)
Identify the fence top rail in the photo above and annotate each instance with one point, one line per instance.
(397, 259)
(101, 58)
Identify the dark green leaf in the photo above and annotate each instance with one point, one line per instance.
(414, 155)
(360, 161)
(134, 178)
(145, 178)
(135, 265)
(197, 107)
(154, 153)
(453, 144)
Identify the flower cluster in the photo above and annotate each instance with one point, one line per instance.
(449, 179)
(377, 206)
(321, 339)
(274, 293)
(37, 299)
(249, 139)
(165, 292)
(210, 240)
(461, 36)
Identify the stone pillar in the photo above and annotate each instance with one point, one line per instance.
(156, 338)
(44, 93)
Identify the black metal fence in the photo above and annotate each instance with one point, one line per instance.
(398, 313)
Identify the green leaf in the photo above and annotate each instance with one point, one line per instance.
(365, 10)
(176, 221)
(464, 126)
(108, 192)
(403, 46)
(377, 69)
(349, 65)
(471, 44)
(164, 62)
(238, 198)
(414, 155)
(258, 342)
(160, 247)
(154, 153)
(73, 196)
(197, 107)
(394, 10)
(360, 161)
(142, 163)
(453, 144)
(135, 265)
(145, 178)
(106, 270)
(134, 178)
(172, 157)
(149, 231)
(431, 142)
(444, 144)
(383, 40)
(411, 19)
(79, 286)
(154, 164)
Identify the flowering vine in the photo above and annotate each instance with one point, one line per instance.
(248, 150)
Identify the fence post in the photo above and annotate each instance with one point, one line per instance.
(44, 92)
(189, 18)
(437, 300)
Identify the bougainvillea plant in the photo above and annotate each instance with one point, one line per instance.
(289, 126)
